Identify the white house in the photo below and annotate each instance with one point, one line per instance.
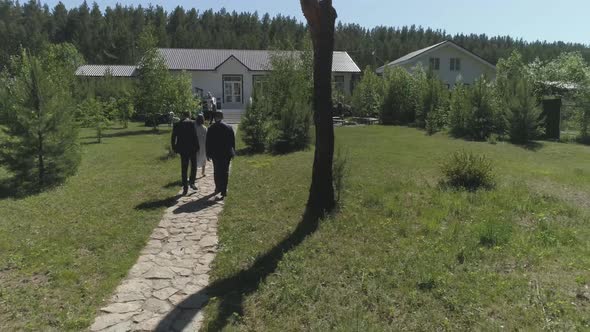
(449, 61)
(230, 75)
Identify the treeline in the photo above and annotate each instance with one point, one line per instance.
(110, 35)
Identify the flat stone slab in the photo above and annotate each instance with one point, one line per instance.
(164, 294)
(159, 272)
(171, 271)
(108, 320)
(121, 308)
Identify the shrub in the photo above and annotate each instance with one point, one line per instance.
(469, 171)
(432, 97)
(474, 111)
(367, 97)
(179, 96)
(95, 114)
(484, 119)
(153, 85)
(583, 115)
(524, 114)
(124, 109)
(340, 170)
(292, 129)
(255, 125)
(436, 120)
(287, 97)
(459, 111)
(399, 104)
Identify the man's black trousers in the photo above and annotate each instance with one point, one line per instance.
(184, 161)
(221, 174)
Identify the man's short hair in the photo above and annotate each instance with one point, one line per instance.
(186, 114)
(219, 114)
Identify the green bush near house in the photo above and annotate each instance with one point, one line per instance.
(255, 126)
(524, 114)
(367, 97)
(280, 117)
(400, 99)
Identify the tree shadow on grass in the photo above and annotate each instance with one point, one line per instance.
(134, 133)
(9, 189)
(151, 205)
(173, 184)
(12, 188)
(248, 152)
(532, 146)
(196, 206)
(231, 291)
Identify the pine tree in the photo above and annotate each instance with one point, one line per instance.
(41, 145)
(153, 80)
(524, 114)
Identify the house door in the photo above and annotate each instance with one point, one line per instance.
(232, 92)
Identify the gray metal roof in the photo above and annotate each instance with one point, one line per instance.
(409, 56)
(210, 59)
(414, 54)
(101, 70)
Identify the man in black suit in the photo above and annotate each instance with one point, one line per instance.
(221, 147)
(186, 143)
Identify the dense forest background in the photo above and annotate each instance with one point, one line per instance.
(110, 36)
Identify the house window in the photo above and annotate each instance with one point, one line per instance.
(198, 92)
(455, 64)
(434, 63)
(259, 82)
(339, 83)
(232, 89)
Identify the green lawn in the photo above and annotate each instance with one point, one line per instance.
(63, 251)
(403, 254)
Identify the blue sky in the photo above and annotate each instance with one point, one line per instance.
(566, 20)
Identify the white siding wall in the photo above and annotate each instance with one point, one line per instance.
(347, 82)
(211, 81)
(471, 67)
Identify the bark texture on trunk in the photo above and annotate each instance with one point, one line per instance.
(321, 17)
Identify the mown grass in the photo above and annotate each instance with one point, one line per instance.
(404, 254)
(65, 250)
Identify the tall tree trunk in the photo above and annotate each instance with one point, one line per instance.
(321, 17)
(40, 154)
(37, 106)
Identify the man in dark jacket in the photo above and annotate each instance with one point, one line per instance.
(186, 143)
(221, 146)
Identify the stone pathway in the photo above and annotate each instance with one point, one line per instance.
(174, 265)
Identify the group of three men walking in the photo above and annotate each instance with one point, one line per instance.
(220, 148)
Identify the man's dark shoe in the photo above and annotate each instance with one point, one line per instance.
(193, 187)
(184, 191)
(224, 194)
